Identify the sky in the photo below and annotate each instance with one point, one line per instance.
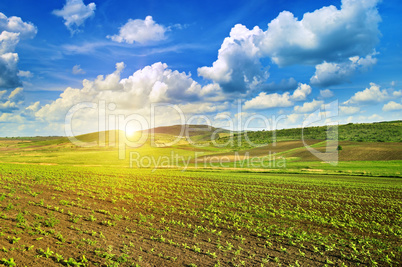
(73, 66)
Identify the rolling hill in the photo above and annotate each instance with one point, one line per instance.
(359, 142)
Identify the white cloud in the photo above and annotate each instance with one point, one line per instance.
(338, 40)
(16, 93)
(265, 101)
(372, 94)
(348, 110)
(392, 106)
(29, 112)
(10, 118)
(25, 74)
(111, 82)
(8, 106)
(77, 70)
(75, 13)
(212, 89)
(8, 41)
(375, 117)
(34, 107)
(12, 30)
(238, 66)
(25, 30)
(301, 92)
(308, 106)
(326, 93)
(397, 93)
(152, 84)
(223, 116)
(203, 108)
(140, 31)
(327, 74)
(326, 34)
(9, 70)
(293, 118)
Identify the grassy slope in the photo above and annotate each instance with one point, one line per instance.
(362, 132)
(369, 156)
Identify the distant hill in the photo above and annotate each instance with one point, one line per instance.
(355, 132)
(359, 142)
(390, 131)
(186, 130)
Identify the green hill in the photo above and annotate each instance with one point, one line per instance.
(187, 129)
(360, 132)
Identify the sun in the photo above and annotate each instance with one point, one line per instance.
(131, 129)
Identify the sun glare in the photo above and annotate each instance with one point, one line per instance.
(131, 129)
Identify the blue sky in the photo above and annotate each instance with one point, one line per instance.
(281, 59)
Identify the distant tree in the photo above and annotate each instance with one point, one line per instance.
(339, 148)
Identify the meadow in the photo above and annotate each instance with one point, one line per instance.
(62, 205)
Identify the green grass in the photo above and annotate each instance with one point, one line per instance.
(361, 132)
(91, 208)
(199, 216)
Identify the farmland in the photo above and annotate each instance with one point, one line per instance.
(55, 214)
(81, 206)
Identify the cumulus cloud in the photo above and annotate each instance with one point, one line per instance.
(16, 94)
(238, 67)
(223, 116)
(11, 103)
(326, 34)
(213, 92)
(25, 74)
(265, 101)
(327, 74)
(8, 106)
(24, 30)
(29, 111)
(301, 92)
(109, 83)
(33, 107)
(152, 84)
(149, 88)
(293, 118)
(75, 13)
(338, 41)
(10, 118)
(371, 118)
(397, 93)
(348, 110)
(140, 31)
(9, 70)
(12, 30)
(372, 94)
(326, 93)
(8, 41)
(308, 106)
(203, 108)
(392, 106)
